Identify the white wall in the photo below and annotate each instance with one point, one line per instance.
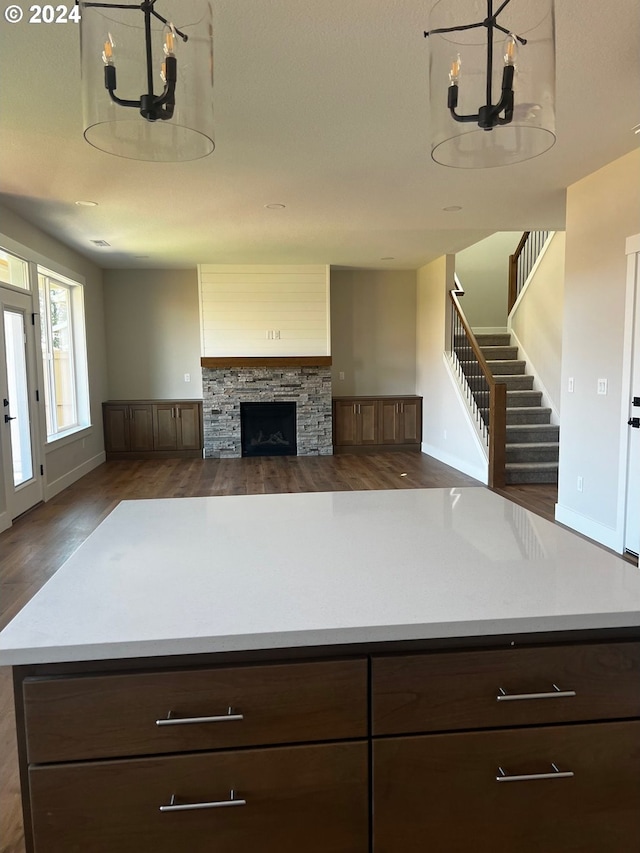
(603, 210)
(153, 337)
(536, 322)
(242, 305)
(70, 458)
(483, 270)
(373, 332)
(447, 432)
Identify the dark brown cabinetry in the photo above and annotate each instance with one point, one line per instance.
(377, 423)
(141, 429)
(270, 758)
(535, 746)
(490, 760)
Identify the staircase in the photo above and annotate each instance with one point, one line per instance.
(532, 440)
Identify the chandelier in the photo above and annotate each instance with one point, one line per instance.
(491, 81)
(147, 78)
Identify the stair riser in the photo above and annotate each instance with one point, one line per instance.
(528, 416)
(495, 340)
(514, 477)
(517, 383)
(499, 353)
(532, 455)
(500, 368)
(523, 398)
(536, 433)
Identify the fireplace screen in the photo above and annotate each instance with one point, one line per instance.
(268, 429)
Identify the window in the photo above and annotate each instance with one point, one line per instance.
(13, 270)
(64, 354)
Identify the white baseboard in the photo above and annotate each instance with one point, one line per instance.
(57, 486)
(5, 521)
(601, 533)
(476, 471)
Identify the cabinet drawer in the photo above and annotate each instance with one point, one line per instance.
(465, 690)
(307, 798)
(441, 792)
(115, 715)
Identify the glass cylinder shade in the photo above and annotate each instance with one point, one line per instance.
(476, 63)
(116, 37)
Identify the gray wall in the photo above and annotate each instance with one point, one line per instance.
(153, 334)
(373, 332)
(483, 270)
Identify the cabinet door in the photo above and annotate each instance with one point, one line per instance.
(441, 792)
(367, 422)
(288, 800)
(140, 426)
(411, 411)
(165, 433)
(116, 428)
(390, 422)
(345, 422)
(188, 426)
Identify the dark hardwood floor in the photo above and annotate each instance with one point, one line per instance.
(41, 540)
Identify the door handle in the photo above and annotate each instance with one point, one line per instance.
(7, 419)
(633, 422)
(5, 402)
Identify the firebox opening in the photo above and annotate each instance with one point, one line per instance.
(268, 429)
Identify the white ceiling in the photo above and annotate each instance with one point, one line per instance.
(320, 105)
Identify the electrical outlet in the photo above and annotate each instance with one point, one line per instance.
(579, 484)
(602, 386)
(341, 374)
(570, 385)
(187, 377)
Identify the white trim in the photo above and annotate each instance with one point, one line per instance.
(538, 384)
(532, 273)
(633, 275)
(601, 533)
(5, 521)
(57, 486)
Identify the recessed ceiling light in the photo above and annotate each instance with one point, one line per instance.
(388, 258)
(275, 206)
(87, 203)
(453, 208)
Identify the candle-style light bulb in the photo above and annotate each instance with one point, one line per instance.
(107, 53)
(170, 41)
(454, 73)
(510, 50)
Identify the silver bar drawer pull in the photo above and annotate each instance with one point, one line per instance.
(530, 777)
(216, 804)
(183, 721)
(556, 693)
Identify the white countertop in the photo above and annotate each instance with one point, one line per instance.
(192, 575)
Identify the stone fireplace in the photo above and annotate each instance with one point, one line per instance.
(227, 383)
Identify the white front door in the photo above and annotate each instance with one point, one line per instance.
(632, 523)
(18, 414)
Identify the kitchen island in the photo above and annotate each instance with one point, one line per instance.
(346, 671)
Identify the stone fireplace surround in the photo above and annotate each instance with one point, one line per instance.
(227, 382)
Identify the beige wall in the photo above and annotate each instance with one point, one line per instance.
(447, 431)
(153, 337)
(67, 460)
(602, 211)
(483, 270)
(373, 332)
(537, 321)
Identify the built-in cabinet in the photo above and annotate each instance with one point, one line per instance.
(146, 428)
(377, 423)
(537, 748)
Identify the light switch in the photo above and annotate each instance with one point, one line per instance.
(602, 386)
(570, 385)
